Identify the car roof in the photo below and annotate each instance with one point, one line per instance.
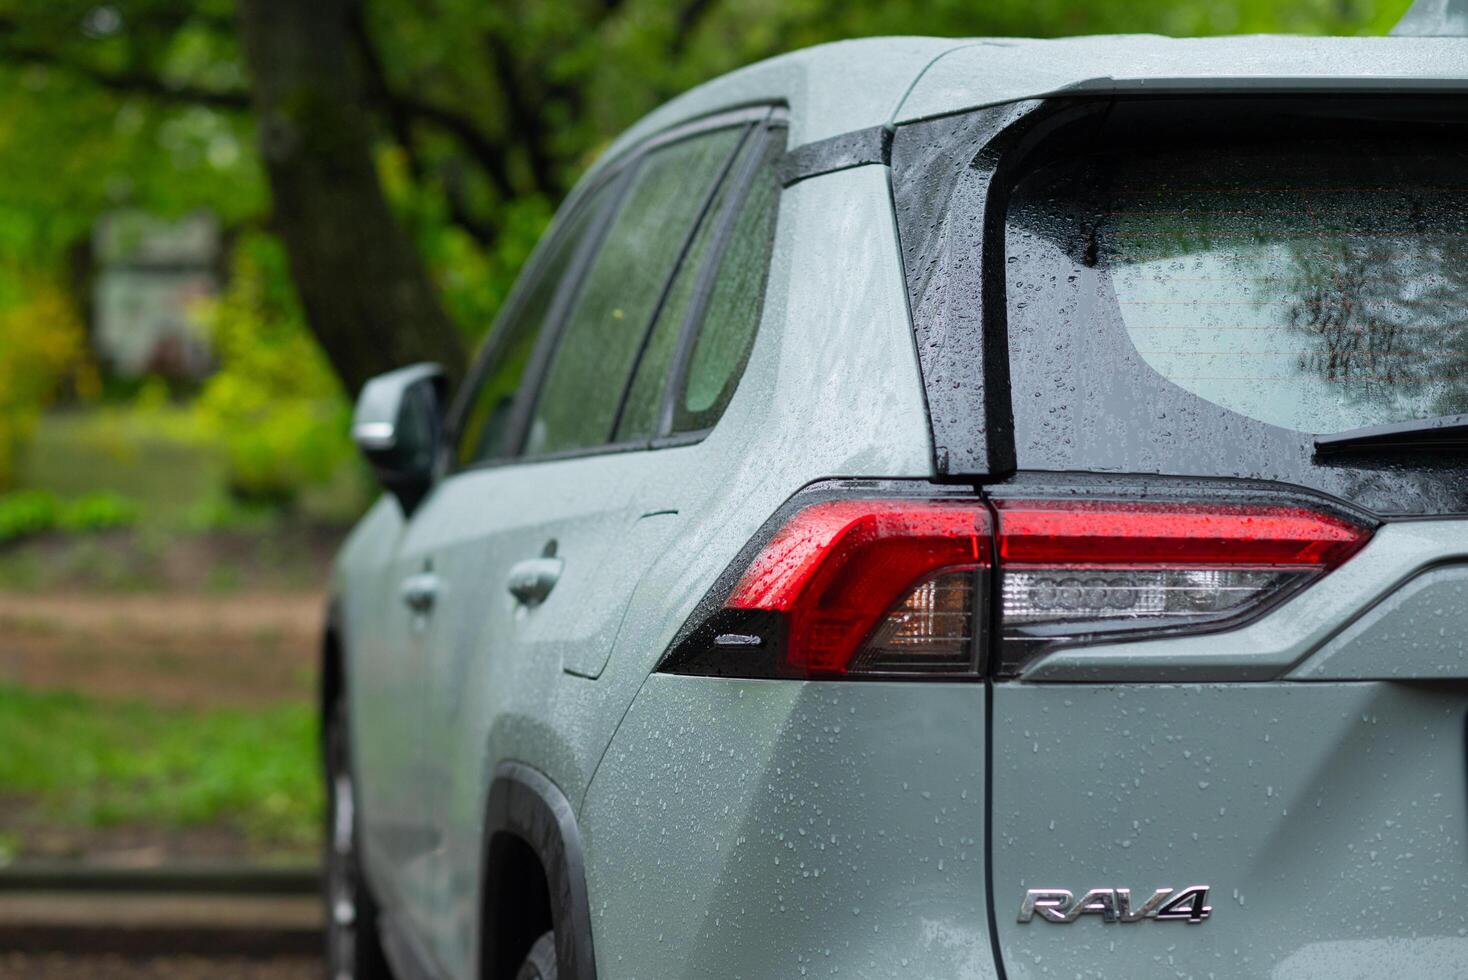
(989, 72)
(830, 89)
(849, 85)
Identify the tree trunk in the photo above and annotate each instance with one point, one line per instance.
(367, 295)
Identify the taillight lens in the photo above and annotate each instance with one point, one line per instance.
(930, 631)
(1090, 571)
(902, 586)
(855, 587)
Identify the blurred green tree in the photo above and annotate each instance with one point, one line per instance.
(416, 148)
(274, 406)
(42, 350)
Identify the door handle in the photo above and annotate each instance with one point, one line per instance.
(420, 592)
(531, 580)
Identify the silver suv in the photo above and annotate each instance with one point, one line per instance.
(939, 508)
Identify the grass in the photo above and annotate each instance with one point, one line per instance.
(95, 762)
(147, 456)
(25, 513)
(158, 458)
(135, 499)
(98, 769)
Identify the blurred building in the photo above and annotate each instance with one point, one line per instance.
(151, 275)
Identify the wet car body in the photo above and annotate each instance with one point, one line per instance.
(1043, 301)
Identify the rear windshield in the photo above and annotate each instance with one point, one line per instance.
(1317, 286)
(1201, 290)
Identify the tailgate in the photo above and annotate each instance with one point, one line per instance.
(1325, 811)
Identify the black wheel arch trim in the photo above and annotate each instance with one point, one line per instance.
(526, 804)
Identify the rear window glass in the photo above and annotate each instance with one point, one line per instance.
(1317, 285)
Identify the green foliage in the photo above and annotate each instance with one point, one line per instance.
(487, 112)
(168, 463)
(95, 114)
(147, 450)
(274, 405)
(225, 512)
(98, 762)
(473, 275)
(548, 83)
(97, 512)
(42, 350)
(27, 512)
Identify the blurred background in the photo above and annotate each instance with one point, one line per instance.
(217, 219)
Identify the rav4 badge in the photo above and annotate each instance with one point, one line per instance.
(1188, 904)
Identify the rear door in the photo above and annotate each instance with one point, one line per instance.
(1232, 683)
(539, 543)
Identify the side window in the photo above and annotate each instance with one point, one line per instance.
(485, 430)
(734, 304)
(721, 282)
(609, 320)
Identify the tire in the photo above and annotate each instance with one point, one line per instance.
(353, 948)
(540, 962)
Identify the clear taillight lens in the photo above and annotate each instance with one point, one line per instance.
(931, 631)
(1090, 571)
(1123, 595)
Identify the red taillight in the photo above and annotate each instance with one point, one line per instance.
(837, 568)
(854, 586)
(901, 585)
(1076, 572)
(1092, 532)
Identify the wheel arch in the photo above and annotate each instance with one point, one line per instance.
(527, 813)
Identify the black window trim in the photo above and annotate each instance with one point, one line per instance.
(760, 120)
(964, 383)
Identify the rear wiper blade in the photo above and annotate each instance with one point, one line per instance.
(1442, 431)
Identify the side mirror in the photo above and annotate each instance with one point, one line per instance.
(398, 425)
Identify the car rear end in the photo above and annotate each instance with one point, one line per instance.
(1228, 673)
(1162, 669)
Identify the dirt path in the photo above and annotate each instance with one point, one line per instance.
(170, 649)
(135, 935)
(66, 966)
(35, 833)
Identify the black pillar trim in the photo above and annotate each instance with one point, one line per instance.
(950, 188)
(855, 149)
